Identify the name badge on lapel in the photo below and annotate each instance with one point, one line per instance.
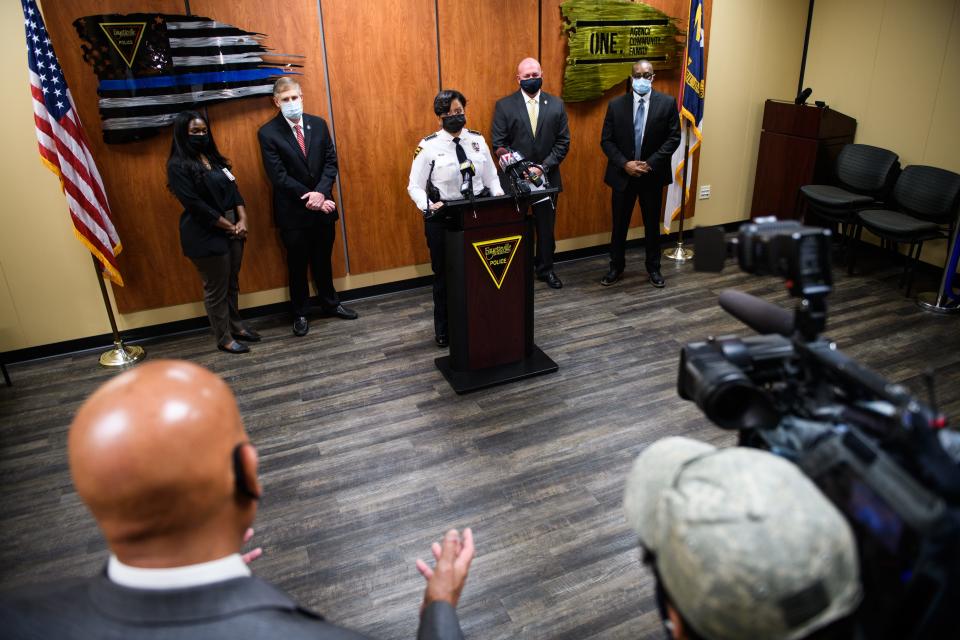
(229, 175)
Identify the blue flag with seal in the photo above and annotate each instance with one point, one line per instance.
(691, 110)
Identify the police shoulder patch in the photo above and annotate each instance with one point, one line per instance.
(417, 151)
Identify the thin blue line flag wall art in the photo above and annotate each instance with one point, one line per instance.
(152, 66)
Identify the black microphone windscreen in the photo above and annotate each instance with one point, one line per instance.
(761, 316)
(803, 95)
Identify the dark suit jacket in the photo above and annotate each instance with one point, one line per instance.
(661, 137)
(292, 175)
(230, 610)
(203, 204)
(511, 128)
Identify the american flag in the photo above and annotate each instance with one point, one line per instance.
(63, 146)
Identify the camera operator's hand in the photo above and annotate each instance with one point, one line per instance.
(446, 580)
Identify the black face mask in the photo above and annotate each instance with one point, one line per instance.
(199, 143)
(452, 124)
(530, 86)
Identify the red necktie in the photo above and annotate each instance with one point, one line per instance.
(300, 141)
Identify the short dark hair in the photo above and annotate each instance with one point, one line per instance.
(441, 104)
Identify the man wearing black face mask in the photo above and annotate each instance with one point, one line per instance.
(534, 123)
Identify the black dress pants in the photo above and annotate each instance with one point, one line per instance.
(545, 219)
(650, 194)
(310, 247)
(436, 242)
(221, 290)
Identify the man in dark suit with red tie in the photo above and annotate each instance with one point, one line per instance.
(534, 123)
(640, 133)
(301, 161)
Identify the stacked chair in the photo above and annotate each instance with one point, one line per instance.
(864, 176)
(923, 206)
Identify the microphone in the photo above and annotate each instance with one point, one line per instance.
(803, 95)
(514, 163)
(467, 171)
(761, 316)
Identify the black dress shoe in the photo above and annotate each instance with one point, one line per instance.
(247, 335)
(612, 276)
(300, 326)
(551, 279)
(234, 347)
(656, 279)
(442, 340)
(342, 312)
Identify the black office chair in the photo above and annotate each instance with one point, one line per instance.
(864, 175)
(923, 207)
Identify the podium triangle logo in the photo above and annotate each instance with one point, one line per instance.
(497, 256)
(125, 38)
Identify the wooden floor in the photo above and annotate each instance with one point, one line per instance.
(367, 455)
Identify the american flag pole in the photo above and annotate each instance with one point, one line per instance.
(64, 150)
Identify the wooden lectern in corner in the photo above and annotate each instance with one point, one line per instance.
(489, 245)
(799, 145)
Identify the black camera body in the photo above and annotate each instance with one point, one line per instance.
(879, 453)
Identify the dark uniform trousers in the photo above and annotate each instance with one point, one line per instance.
(221, 290)
(649, 191)
(311, 246)
(545, 219)
(436, 242)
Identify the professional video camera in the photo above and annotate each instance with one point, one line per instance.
(881, 455)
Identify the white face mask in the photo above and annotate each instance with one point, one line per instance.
(292, 110)
(642, 85)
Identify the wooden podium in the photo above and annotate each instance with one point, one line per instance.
(799, 145)
(489, 245)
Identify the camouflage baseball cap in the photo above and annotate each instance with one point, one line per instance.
(745, 544)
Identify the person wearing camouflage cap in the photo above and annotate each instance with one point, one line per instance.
(742, 544)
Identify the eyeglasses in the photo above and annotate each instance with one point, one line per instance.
(647, 76)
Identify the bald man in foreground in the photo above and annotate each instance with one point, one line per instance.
(160, 456)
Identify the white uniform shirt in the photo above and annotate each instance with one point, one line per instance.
(438, 148)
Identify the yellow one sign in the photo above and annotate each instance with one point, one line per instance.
(497, 256)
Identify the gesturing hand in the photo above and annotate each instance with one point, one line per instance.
(445, 581)
(253, 554)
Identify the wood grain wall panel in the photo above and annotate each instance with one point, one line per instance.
(481, 44)
(584, 207)
(295, 30)
(145, 213)
(383, 78)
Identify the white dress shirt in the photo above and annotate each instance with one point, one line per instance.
(193, 575)
(439, 150)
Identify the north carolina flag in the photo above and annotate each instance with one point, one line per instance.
(691, 109)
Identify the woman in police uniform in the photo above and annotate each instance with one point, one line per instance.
(438, 161)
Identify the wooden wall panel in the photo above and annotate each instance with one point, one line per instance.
(383, 77)
(480, 47)
(295, 30)
(145, 213)
(584, 207)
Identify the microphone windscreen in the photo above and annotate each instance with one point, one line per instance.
(763, 317)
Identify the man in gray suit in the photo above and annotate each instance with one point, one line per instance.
(534, 123)
(160, 457)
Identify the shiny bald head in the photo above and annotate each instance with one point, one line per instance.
(152, 455)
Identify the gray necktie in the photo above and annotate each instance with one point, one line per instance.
(638, 128)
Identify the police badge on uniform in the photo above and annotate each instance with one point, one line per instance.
(476, 147)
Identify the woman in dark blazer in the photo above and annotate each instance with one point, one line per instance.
(213, 225)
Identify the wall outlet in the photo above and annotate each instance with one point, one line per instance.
(704, 192)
